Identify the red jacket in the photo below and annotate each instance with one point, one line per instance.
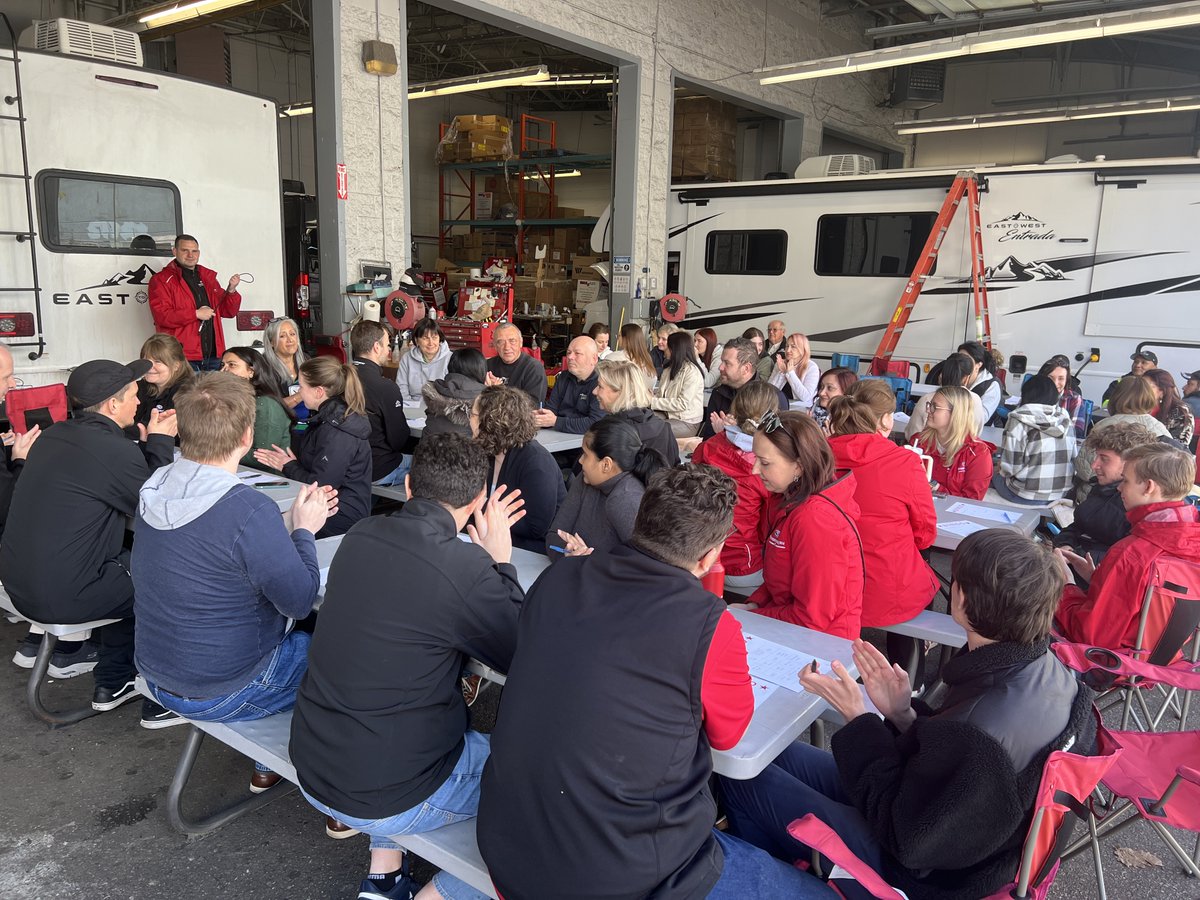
(812, 567)
(743, 553)
(1107, 615)
(173, 306)
(897, 521)
(969, 473)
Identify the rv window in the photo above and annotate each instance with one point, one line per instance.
(745, 253)
(878, 244)
(86, 213)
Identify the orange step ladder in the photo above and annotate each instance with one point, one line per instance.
(965, 184)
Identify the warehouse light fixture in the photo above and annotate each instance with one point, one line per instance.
(1153, 18)
(296, 109)
(1055, 114)
(180, 12)
(578, 80)
(558, 173)
(484, 82)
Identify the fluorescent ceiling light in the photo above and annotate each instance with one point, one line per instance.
(296, 109)
(1154, 18)
(565, 173)
(1060, 114)
(484, 82)
(576, 80)
(183, 11)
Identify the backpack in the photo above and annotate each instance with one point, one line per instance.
(980, 389)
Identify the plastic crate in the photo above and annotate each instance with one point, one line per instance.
(845, 360)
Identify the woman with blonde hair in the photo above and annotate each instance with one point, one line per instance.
(169, 371)
(631, 346)
(334, 449)
(661, 354)
(897, 519)
(962, 463)
(795, 372)
(622, 391)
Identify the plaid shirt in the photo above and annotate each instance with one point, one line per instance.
(1037, 450)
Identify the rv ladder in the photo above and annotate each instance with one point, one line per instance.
(26, 235)
(964, 186)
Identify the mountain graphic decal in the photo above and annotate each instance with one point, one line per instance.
(1012, 269)
(1019, 217)
(140, 275)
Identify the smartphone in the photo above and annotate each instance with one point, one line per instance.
(266, 484)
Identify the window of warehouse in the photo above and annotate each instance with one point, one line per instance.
(745, 253)
(878, 244)
(87, 213)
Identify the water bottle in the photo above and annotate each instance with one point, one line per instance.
(714, 579)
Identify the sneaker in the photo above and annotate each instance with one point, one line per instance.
(104, 699)
(472, 687)
(405, 888)
(155, 716)
(74, 662)
(339, 830)
(263, 781)
(27, 651)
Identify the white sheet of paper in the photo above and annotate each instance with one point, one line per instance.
(762, 690)
(258, 477)
(984, 512)
(960, 529)
(417, 423)
(778, 664)
(324, 577)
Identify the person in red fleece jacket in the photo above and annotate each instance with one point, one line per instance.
(188, 302)
(962, 463)
(732, 451)
(1157, 477)
(813, 560)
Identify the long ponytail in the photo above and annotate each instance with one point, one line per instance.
(338, 379)
(615, 438)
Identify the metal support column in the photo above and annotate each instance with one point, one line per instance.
(791, 134)
(327, 137)
(622, 307)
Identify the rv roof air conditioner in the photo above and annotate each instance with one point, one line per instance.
(76, 38)
(837, 164)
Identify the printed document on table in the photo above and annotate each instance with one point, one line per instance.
(984, 512)
(418, 422)
(259, 477)
(762, 690)
(778, 664)
(960, 529)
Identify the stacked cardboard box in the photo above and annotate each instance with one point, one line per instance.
(704, 146)
(476, 137)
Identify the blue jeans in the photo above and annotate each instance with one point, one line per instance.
(396, 476)
(803, 779)
(212, 364)
(1009, 495)
(750, 873)
(457, 799)
(272, 690)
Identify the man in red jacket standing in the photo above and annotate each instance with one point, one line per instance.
(187, 301)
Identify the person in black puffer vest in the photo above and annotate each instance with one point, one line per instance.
(938, 801)
(334, 448)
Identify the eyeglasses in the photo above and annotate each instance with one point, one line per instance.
(769, 423)
(933, 407)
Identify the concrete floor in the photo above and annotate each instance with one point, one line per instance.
(83, 817)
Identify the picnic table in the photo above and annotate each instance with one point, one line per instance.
(552, 440)
(958, 516)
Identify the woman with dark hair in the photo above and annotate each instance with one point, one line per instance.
(622, 391)
(448, 400)
(680, 394)
(334, 449)
(836, 382)
(272, 420)
(502, 423)
(632, 346)
(984, 383)
(1171, 410)
(169, 371)
(603, 501)
(897, 519)
(813, 564)
(426, 360)
(1058, 369)
(1038, 447)
(709, 353)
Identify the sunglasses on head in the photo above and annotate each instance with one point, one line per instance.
(769, 423)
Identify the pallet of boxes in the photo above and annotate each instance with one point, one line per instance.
(704, 148)
(476, 139)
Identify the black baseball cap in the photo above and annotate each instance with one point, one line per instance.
(100, 379)
(1145, 354)
(1191, 376)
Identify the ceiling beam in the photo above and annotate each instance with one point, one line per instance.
(1032, 13)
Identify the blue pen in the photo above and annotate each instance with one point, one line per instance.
(1052, 528)
(559, 549)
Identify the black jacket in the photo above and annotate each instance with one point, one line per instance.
(379, 718)
(526, 374)
(333, 450)
(385, 413)
(10, 471)
(575, 404)
(654, 431)
(532, 470)
(66, 527)
(951, 798)
(448, 403)
(147, 404)
(598, 782)
(721, 401)
(1099, 522)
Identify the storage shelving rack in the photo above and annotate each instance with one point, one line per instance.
(536, 168)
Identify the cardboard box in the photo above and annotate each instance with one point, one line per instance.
(560, 256)
(587, 291)
(483, 123)
(483, 204)
(581, 267)
(557, 293)
(569, 212)
(538, 205)
(567, 238)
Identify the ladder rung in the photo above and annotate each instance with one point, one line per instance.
(20, 290)
(12, 118)
(7, 175)
(28, 234)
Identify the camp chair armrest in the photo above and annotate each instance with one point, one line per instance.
(1189, 773)
(819, 836)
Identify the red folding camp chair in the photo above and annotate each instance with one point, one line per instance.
(1067, 781)
(1170, 620)
(1157, 776)
(43, 405)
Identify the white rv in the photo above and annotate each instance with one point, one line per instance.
(120, 159)
(1080, 256)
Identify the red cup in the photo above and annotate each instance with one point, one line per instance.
(714, 579)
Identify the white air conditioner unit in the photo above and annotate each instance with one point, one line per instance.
(77, 38)
(837, 164)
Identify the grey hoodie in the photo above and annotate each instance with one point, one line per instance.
(182, 492)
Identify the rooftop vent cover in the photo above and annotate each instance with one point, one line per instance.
(75, 38)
